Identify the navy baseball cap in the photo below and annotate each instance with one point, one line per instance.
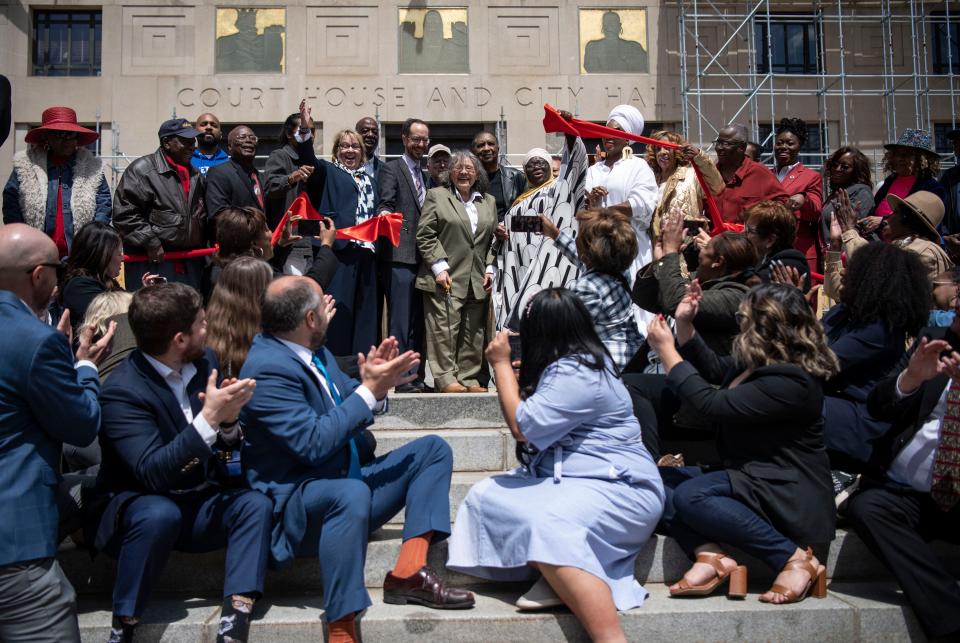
(178, 127)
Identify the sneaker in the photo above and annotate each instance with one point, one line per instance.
(540, 596)
(844, 484)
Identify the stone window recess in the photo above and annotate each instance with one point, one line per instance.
(67, 43)
(794, 45)
(946, 43)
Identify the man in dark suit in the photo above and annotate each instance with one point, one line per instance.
(369, 130)
(403, 187)
(911, 498)
(237, 182)
(161, 483)
(305, 447)
(46, 399)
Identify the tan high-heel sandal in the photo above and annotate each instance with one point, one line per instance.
(816, 586)
(737, 577)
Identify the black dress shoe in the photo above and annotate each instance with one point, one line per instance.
(427, 589)
(410, 387)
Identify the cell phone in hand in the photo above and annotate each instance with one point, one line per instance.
(309, 227)
(514, 347)
(526, 224)
(154, 281)
(693, 227)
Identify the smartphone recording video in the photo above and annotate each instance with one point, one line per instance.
(526, 224)
(309, 227)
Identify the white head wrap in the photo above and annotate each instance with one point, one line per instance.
(628, 117)
(537, 153)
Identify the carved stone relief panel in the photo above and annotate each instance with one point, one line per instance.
(524, 41)
(157, 40)
(342, 40)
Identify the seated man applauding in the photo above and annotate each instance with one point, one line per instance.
(163, 418)
(306, 448)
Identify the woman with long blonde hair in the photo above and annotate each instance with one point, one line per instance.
(774, 497)
(677, 184)
(233, 314)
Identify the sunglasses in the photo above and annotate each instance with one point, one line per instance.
(59, 267)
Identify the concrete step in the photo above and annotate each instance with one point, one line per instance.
(660, 561)
(448, 410)
(852, 612)
(460, 484)
(476, 449)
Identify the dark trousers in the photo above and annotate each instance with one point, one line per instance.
(152, 526)
(354, 287)
(404, 307)
(341, 514)
(700, 508)
(37, 603)
(897, 527)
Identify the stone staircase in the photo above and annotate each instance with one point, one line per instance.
(863, 603)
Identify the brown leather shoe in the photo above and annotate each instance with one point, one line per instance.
(476, 389)
(427, 589)
(456, 387)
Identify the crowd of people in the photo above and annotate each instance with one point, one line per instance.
(190, 368)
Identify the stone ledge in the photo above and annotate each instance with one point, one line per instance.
(661, 560)
(852, 612)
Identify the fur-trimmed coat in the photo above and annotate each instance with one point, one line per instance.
(30, 195)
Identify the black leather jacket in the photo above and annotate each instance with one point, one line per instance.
(513, 183)
(150, 209)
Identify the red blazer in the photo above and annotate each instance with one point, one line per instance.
(809, 183)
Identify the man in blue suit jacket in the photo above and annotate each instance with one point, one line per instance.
(305, 448)
(161, 484)
(45, 400)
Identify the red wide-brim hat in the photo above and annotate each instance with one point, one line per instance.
(60, 119)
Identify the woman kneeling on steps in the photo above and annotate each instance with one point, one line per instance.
(774, 496)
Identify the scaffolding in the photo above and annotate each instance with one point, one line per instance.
(727, 76)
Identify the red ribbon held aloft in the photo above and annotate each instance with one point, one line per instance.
(385, 225)
(554, 122)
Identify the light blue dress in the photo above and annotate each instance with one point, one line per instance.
(590, 499)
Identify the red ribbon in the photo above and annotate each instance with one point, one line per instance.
(554, 122)
(173, 256)
(385, 225)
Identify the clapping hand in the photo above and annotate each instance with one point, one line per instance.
(384, 367)
(671, 231)
(783, 274)
(222, 404)
(690, 304)
(329, 306)
(659, 335)
(97, 351)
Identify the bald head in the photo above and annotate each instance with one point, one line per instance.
(28, 260)
(242, 145)
(288, 303)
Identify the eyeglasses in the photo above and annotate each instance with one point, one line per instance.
(722, 143)
(348, 146)
(749, 229)
(947, 283)
(248, 137)
(59, 267)
(418, 140)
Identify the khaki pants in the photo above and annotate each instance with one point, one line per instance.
(454, 339)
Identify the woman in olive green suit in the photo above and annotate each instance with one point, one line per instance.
(455, 238)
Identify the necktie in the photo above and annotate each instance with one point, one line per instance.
(945, 489)
(418, 181)
(256, 187)
(354, 471)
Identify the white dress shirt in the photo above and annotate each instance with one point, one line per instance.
(913, 466)
(785, 171)
(178, 381)
(306, 356)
